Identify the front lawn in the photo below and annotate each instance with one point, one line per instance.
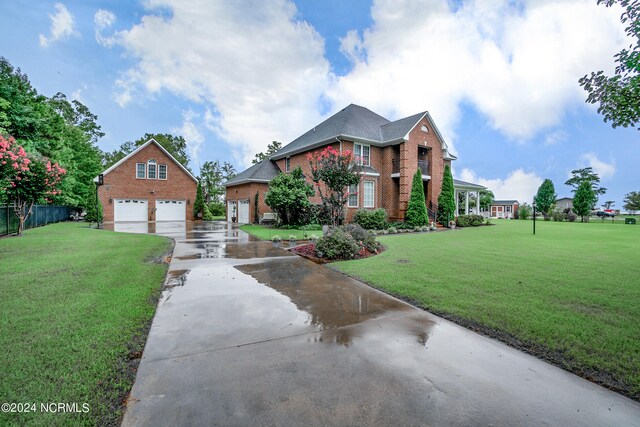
(570, 294)
(76, 305)
(265, 232)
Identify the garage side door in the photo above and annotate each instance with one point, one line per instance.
(231, 210)
(130, 210)
(243, 212)
(171, 210)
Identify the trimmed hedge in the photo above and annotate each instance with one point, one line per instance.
(371, 220)
(469, 220)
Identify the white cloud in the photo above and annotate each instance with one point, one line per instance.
(555, 137)
(604, 170)
(518, 185)
(258, 68)
(518, 63)
(61, 26)
(103, 20)
(192, 135)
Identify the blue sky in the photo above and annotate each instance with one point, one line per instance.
(500, 78)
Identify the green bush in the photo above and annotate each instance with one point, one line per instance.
(371, 220)
(206, 214)
(557, 215)
(571, 216)
(311, 227)
(216, 208)
(363, 237)
(416, 215)
(469, 220)
(337, 244)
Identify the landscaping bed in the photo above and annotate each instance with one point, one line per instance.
(76, 307)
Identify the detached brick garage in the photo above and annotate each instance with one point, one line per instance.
(148, 185)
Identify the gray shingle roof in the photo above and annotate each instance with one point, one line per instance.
(398, 129)
(504, 202)
(458, 183)
(264, 171)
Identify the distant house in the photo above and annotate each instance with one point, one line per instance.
(389, 152)
(147, 185)
(506, 209)
(564, 203)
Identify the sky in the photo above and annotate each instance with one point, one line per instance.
(500, 78)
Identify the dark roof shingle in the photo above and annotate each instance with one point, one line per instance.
(264, 171)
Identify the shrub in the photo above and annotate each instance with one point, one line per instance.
(371, 220)
(392, 230)
(571, 216)
(206, 214)
(469, 220)
(558, 215)
(311, 227)
(446, 199)
(337, 244)
(276, 238)
(216, 208)
(524, 211)
(288, 196)
(292, 238)
(416, 215)
(362, 237)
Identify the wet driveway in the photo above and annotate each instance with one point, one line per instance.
(246, 334)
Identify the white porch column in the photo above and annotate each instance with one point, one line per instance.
(457, 208)
(478, 202)
(466, 202)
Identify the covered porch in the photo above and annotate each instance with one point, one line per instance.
(466, 189)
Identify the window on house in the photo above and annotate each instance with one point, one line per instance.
(362, 153)
(353, 196)
(141, 170)
(424, 128)
(162, 171)
(151, 169)
(369, 194)
(287, 164)
(508, 208)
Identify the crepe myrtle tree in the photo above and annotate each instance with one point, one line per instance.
(334, 172)
(26, 179)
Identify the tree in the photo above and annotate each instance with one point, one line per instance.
(545, 198)
(333, 173)
(486, 199)
(583, 200)
(271, 149)
(288, 196)
(586, 175)
(619, 95)
(446, 199)
(608, 204)
(198, 204)
(176, 145)
(26, 179)
(524, 211)
(416, 215)
(93, 215)
(212, 176)
(632, 202)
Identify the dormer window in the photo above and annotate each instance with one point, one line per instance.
(424, 129)
(151, 169)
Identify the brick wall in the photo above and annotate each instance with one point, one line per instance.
(122, 183)
(248, 192)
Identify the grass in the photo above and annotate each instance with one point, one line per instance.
(569, 294)
(265, 232)
(76, 304)
(219, 218)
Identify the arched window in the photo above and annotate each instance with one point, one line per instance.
(152, 169)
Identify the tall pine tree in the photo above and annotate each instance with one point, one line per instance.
(198, 205)
(446, 199)
(417, 210)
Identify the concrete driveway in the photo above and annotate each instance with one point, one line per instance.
(246, 334)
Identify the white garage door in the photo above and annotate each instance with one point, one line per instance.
(130, 210)
(171, 210)
(243, 212)
(231, 210)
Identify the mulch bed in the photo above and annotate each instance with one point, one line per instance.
(309, 251)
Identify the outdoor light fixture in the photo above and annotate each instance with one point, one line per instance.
(110, 199)
(534, 217)
(188, 201)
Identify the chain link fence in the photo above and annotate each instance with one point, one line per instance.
(40, 215)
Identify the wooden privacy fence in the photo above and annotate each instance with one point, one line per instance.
(40, 215)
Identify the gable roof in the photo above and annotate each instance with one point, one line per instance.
(505, 202)
(142, 147)
(264, 171)
(358, 124)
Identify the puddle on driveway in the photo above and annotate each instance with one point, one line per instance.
(176, 278)
(222, 249)
(333, 300)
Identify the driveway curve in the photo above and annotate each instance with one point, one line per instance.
(246, 334)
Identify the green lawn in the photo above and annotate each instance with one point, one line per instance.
(76, 303)
(265, 232)
(570, 294)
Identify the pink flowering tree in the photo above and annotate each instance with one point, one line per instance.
(25, 179)
(333, 173)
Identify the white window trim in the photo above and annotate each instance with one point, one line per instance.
(349, 205)
(373, 195)
(148, 168)
(145, 170)
(166, 172)
(360, 158)
(287, 164)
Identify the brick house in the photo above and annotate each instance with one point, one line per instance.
(389, 152)
(506, 209)
(149, 184)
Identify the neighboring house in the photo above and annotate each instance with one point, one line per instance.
(389, 152)
(503, 209)
(564, 203)
(148, 185)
